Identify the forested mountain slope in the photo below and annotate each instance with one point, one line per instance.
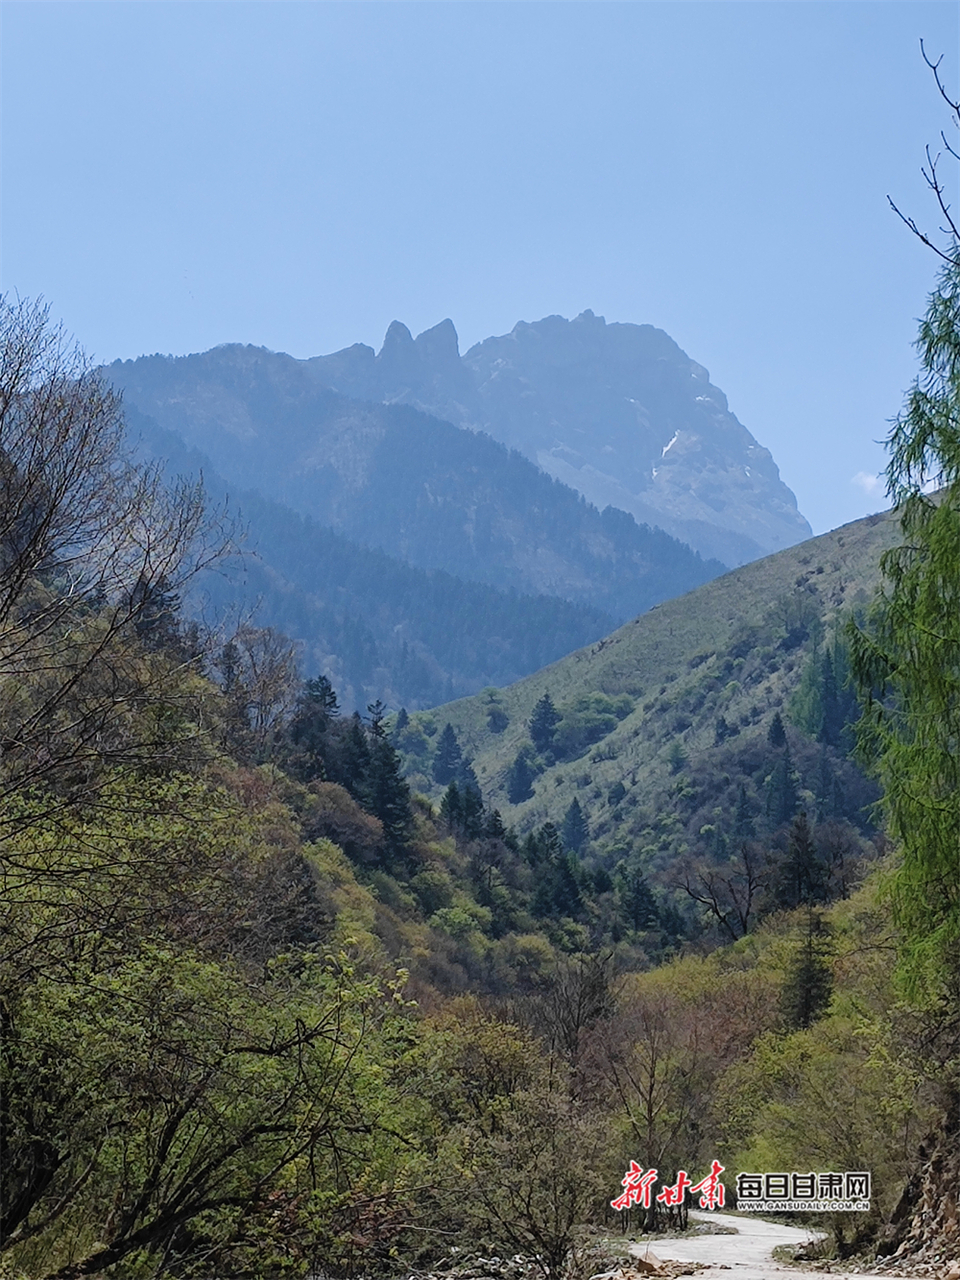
(377, 627)
(394, 478)
(662, 731)
(617, 411)
(265, 1012)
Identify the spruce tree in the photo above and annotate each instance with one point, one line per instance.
(831, 724)
(637, 904)
(451, 808)
(543, 724)
(776, 734)
(448, 760)
(576, 833)
(808, 983)
(473, 822)
(828, 795)
(782, 798)
(744, 827)
(567, 898)
(350, 763)
(802, 876)
(387, 792)
(520, 778)
(497, 719)
(493, 828)
(307, 739)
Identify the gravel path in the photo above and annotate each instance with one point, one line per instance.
(747, 1254)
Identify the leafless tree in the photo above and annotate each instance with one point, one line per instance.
(934, 178)
(89, 542)
(731, 892)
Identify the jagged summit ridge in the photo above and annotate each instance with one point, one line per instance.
(617, 411)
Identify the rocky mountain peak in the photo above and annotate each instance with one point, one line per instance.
(617, 411)
(439, 347)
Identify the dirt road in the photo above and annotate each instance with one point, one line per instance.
(747, 1255)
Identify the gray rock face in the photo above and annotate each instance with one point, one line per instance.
(618, 412)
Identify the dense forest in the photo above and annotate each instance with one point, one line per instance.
(268, 1011)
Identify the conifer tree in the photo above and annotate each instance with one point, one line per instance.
(831, 723)
(493, 828)
(637, 903)
(907, 658)
(828, 794)
(520, 778)
(386, 790)
(448, 760)
(744, 827)
(576, 833)
(543, 724)
(451, 807)
(307, 735)
(808, 984)
(473, 822)
(350, 762)
(802, 874)
(676, 756)
(776, 734)
(782, 796)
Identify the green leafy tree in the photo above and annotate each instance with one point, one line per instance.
(907, 657)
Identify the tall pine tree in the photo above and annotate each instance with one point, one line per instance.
(543, 724)
(448, 760)
(575, 831)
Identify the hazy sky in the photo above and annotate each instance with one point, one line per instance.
(297, 175)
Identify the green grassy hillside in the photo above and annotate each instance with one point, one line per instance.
(663, 717)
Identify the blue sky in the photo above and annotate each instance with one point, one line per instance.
(297, 175)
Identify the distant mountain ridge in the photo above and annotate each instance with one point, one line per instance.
(392, 477)
(617, 411)
(376, 627)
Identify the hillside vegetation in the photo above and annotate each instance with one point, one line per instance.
(662, 720)
(267, 1012)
